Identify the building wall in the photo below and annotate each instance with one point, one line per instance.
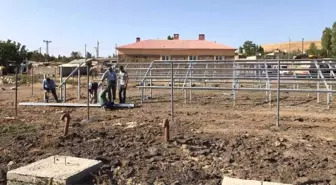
(178, 54)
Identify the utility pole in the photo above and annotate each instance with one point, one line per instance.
(302, 45)
(47, 49)
(85, 52)
(289, 46)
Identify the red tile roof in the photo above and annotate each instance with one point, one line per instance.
(175, 44)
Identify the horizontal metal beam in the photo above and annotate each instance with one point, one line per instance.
(238, 89)
(246, 78)
(73, 104)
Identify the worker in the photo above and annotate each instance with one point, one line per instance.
(105, 104)
(111, 76)
(49, 86)
(123, 81)
(93, 91)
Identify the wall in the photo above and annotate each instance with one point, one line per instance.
(159, 52)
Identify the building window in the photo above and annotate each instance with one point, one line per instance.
(192, 57)
(165, 57)
(219, 57)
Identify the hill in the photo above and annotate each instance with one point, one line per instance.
(294, 46)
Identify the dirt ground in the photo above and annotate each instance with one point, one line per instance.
(209, 138)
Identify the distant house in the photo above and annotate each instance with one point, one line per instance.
(176, 49)
(69, 67)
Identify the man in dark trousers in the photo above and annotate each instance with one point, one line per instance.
(105, 104)
(50, 87)
(93, 91)
(123, 81)
(111, 83)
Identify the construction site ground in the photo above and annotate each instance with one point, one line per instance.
(210, 137)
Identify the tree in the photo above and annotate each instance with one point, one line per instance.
(241, 50)
(12, 51)
(326, 40)
(260, 50)
(75, 55)
(312, 49)
(333, 40)
(250, 48)
(88, 55)
(170, 37)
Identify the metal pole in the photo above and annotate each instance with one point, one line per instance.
(79, 83)
(64, 97)
(172, 91)
(32, 80)
(88, 97)
(61, 89)
(278, 96)
(151, 81)
(302, 45)
(16, 88)
(318, 88)
(328, 98)
(190, 82)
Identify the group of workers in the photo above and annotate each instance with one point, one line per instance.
(106, 102)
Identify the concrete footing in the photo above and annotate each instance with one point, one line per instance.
(234, 181)
(62, 170)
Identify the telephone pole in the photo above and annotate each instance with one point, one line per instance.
(302, 45)
(97, 49)
(47, 49)
(85, 52)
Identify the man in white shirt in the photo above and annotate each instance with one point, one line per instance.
(123, 81)
(111, 83)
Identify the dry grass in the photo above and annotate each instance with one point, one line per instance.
(294, 46)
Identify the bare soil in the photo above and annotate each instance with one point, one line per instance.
(209, 138)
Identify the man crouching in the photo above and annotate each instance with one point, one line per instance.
(105, 104)
(49, 86)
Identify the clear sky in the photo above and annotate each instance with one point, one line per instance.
(70, 24)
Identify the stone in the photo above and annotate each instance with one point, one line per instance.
(301, 180)
(61, 169)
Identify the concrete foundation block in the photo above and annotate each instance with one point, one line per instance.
(60, 170)
(234, 181)
(274, 183)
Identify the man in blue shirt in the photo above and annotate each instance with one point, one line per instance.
(111, 83)
(49, 86)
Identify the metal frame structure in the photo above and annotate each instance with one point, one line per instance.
(261, 73)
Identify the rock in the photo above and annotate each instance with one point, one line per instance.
(202, 152)
(176, 183)
(301, 180)
(157, 182)
(13, 88)
(153, 151)
(2, 88)
(115, 162)
(277, 143)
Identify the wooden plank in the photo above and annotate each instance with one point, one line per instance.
(72, 104)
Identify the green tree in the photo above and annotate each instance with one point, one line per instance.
(260, 50)
(326, 40)
(241, 50)
(75, 55)
(333, 40)
(88, 55)
(312, 49)
(12, 51)
(250, 48)
(170, 37)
